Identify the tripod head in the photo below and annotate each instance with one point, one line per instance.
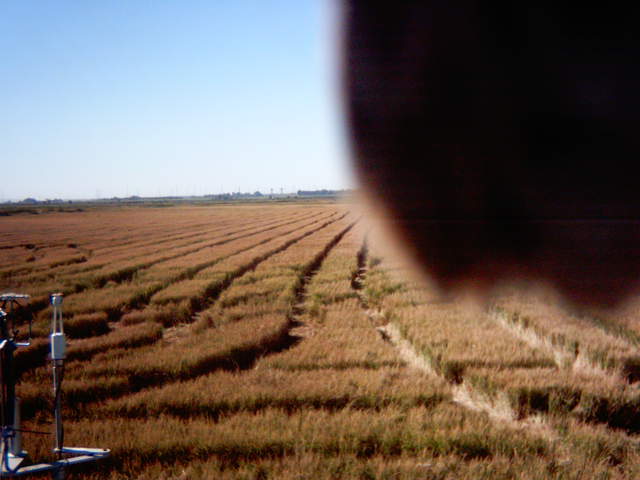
(13, 312)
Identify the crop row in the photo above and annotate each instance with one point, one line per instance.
(121, 269)
(106, 233)
(148, 281)
(225, 347)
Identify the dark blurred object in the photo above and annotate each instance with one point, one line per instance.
(502, 137)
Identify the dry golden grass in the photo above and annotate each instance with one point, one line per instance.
(562, 394)
(122, 337)
(446, 467)
(425, 433)
(114, 298)
(241, 342)
(501, 369)
(272, 285)
(247, 252)
(225, 393)
(454, 338)
(230, 347)
(623, 321)
(122, 262)
(578, 339)
(343, 339)
(443, 440)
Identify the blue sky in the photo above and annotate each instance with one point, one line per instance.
(108, 98)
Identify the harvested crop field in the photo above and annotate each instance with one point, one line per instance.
(280, 341)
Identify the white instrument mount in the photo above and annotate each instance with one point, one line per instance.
(14, 461)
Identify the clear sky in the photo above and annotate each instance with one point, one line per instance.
(102, 98)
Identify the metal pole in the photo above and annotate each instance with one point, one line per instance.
(59, 441)
(6, 370)
(58, 474)
(16, 445)
(57, 358)
(7, 403)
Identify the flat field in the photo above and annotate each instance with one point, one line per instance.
(278, 341)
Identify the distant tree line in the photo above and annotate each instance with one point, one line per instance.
(322, 193)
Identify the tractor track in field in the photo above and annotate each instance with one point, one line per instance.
(498, 406)
(562, 357)
(127, 273)
(307, 274)
(498, 409)
(357, 279)
(573, 359)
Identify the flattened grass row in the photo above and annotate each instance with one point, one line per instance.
(468, 346)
